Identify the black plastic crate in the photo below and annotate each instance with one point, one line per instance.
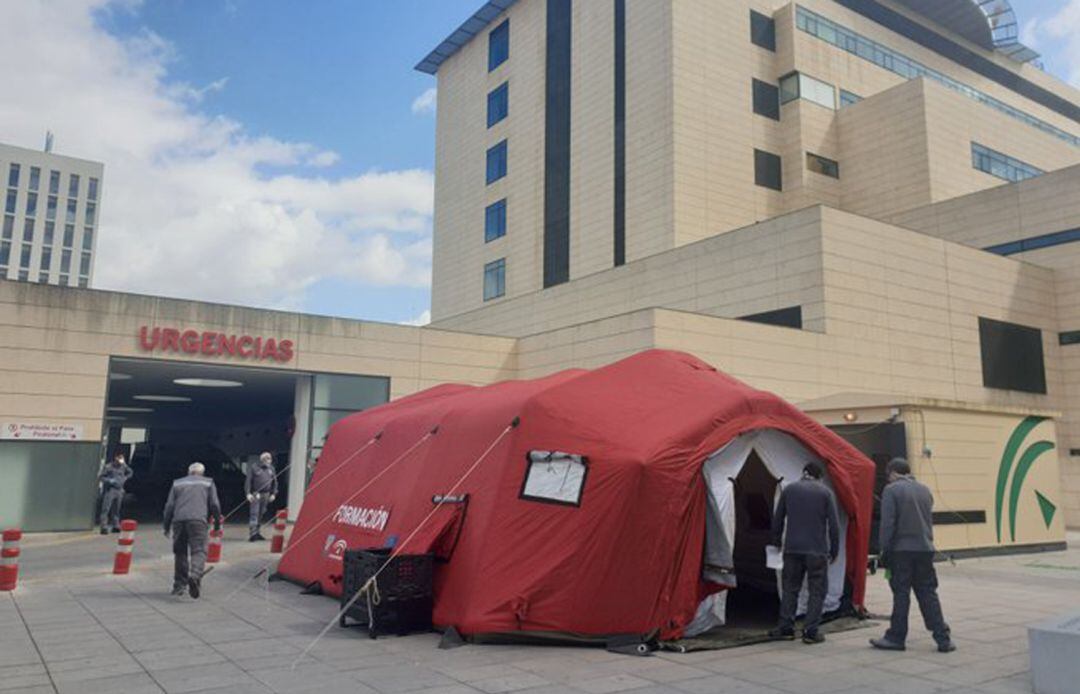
(400, 602)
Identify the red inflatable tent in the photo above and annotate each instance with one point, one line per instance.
(586, 505)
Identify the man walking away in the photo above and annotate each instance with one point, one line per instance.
(112, 479)
(907, 550)
(261, 489)
(192, 500)
(807, 509)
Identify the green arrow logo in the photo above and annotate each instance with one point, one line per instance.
(1019, 474)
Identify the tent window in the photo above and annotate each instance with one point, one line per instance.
(554, 477)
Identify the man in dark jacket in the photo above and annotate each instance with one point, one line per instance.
(807, 509)
(907, 549)
(261, 489)
(112, 479)
(192, 500)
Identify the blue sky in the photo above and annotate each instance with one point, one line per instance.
(269, 152)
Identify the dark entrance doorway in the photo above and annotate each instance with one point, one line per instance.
(755, 602)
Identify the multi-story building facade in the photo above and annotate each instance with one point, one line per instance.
(52, 208)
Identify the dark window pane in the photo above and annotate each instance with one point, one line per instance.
(762, 31)
(495, 221)
(70, 216)
(9, 227)
(12, 200)
(498, 104)
(767, 170)
(31, 204)
(50, 231)
(822, 165)
(498, 45)
(35, 178)
(5, 253)
(54, 182)
(785, 317)
(88, 238)
(28, 231)
(69, 235)
(13, 175)
(352, 393)
(766, 100)
(495, 279)
(73, 186)
(50, 208)
(1012, 356)
(92, 191)
(496, 162)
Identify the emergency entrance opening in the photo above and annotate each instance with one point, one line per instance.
(164, 415)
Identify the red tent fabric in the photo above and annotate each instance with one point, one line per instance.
(626, 560)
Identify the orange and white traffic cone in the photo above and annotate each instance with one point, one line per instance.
(277, 542)
(124, 547)
(9, 559)
(213, 550)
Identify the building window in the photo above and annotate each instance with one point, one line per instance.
(13, 176)
(496, 163)
(766, 100)
(84, 264)
(28, 231)
(54, 183)
(63, 280)
(91, 213)
(1001, 165)
(498, 106)
(70, 216)
(84, 282)
(9, 227)
(12, 200)
(92, 190)
(1012, 356)
(767, 170)
(848, 98)
(762, 31)
(498, 45)
(43, 277)
(88, 238)
(50, 230)
(31, 204)
(65, 262)
(69, 235)
(50, 208)
(495, 221)
(495, 279)
(790, 317)
(822, 165)
(897, 63)
(5, 253)
(24, 260)
(73, 186)
(46, 259)
(796, 85)
(35, 178)
(24, 275)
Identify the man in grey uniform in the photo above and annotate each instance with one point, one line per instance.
(907, 550)
(807, 511)
(261, 489)
(112, 479)
(192, 500)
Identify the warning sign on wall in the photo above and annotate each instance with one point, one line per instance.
(27, 431)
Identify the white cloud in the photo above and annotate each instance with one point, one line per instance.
(1058, 35)
(194, 204)
(423, 319)
(425, 103)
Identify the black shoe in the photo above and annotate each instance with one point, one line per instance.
(886, 645)
(193, 588)
(782, 634)
(253, 538)
(259, 537)
(115, 530)
(946, 646)
(812, 637)
(178, 591)
(104, 531)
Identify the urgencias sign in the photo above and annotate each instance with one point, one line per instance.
(214, 344)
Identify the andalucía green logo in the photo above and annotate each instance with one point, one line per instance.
(1019, 474)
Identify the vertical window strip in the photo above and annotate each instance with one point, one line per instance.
(620, 133)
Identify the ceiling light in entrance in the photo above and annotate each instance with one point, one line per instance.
(207, 383)
(131, 409)
(117, 376)
(161, 398)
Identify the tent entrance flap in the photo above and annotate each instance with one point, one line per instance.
(440, 533)
(781, 458)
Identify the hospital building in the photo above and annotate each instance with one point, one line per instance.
(868, 207)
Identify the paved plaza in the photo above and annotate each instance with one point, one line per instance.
(72, 627)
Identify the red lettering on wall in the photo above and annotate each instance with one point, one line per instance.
(189, 341)
(285, 350)
(209, 343)
(170, 340)
(226, 344)
(150, 344)
(270, 349)
(240, 345)
(213, 344)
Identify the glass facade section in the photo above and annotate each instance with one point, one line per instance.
(495, 221)
(499, 45)
(335, 397)
(848, 98)
(898, 63)
(496, 163)
(498, 104)
(799, 86)
(822, 165)
(1001, 165)
(495, 279)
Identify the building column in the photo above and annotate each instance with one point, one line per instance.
(300, 445)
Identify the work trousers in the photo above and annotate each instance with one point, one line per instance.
(111, 499)
(914, 571)
(189, 551)
(256, 511)
(815, 568)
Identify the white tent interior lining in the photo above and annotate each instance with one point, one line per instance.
(784, 457)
